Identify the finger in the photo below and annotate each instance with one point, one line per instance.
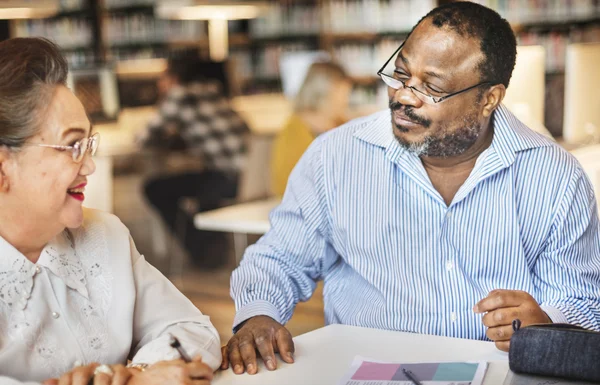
(503, 345)
(265, 348)
(66, 379)
(225, 358)
(102, 379)
(248, 353)
(121, 376)
(83, 374)
(199, 370)
(53, 381)
(197, 358)
(500, 333)
(235, 357)
(501, 317)
(285, 345)
(498, 299)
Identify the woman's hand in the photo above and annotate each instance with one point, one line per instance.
(175, 372)
(82, 375)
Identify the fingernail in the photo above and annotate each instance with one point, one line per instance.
(250, 368)
(238, 369)
(290, 356)
(476, 309)
(270, 365)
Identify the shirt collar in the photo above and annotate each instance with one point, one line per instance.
(510, 134)
(17, 272)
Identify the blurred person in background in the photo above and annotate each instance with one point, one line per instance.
(74, 291)
(195, 117)
(321, 104)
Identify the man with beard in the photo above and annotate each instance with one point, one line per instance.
(452, 219)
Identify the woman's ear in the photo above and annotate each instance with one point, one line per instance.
(5, 158)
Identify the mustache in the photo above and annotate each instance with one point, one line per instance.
(409, 112)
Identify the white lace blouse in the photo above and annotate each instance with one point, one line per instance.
(91, 297)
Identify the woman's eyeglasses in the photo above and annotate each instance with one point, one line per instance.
(79, 149)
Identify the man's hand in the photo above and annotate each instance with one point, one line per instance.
(260, 333)
(504, 306)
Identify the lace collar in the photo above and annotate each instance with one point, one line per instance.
(17, 272)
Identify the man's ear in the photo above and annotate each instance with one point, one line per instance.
(5, 159)
(493, 98)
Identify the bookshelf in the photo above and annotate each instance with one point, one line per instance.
(73, 28)
(94, 32)
(360, 34)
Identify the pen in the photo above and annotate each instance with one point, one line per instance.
(174, 342)
(411, 377)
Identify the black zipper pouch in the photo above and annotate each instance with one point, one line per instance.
(555, 350)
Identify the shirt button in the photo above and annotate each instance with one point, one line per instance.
(38, 269)
(453, 316)
(55, 315)
(449, 265)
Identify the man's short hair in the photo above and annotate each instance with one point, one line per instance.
(498, 42)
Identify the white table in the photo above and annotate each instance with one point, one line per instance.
(241, 219)
(323, 356)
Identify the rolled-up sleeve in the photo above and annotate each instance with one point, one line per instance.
(568, 271)
(161, 309)
(282, 268)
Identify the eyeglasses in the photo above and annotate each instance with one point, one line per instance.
(425, 97)
(79, 149)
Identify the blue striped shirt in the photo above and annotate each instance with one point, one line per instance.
(360, 213)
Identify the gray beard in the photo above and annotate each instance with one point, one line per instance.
(446, 145)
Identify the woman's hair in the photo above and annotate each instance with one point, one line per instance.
(315, 90)
(30, 70)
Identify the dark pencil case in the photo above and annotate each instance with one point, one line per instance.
(555, 350)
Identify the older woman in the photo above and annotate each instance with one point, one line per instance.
(73, 288)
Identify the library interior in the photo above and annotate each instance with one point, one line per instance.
(211, 120)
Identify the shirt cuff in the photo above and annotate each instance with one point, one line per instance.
(254, 309)
(195, 339)
(556, 316)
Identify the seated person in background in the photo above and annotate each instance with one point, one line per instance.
(321, 104)
(195, 117)
(73, 288)
(443, 215)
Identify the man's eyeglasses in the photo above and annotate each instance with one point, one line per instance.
(79, 149)
(425, 97)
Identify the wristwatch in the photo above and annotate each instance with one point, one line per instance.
(140, 367)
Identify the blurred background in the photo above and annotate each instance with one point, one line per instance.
(120, 50)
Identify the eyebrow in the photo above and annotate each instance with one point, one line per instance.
(403, 58)
(428, 73)
(77, 130)
(436, 75)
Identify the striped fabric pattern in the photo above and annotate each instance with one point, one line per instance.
(361, 214)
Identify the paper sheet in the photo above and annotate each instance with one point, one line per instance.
(364, 371)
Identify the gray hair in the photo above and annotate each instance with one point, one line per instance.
(30, 70)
